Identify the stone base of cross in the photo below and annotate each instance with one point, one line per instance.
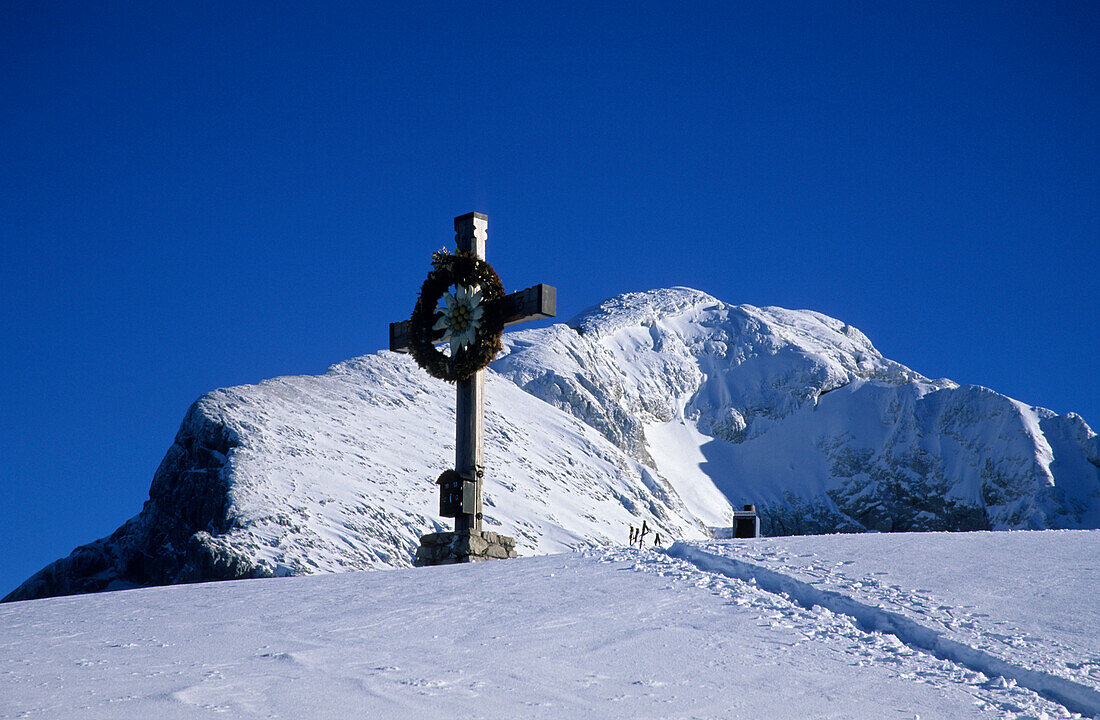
(461, 488)
(447, 548)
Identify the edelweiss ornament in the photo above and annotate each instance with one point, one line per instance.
(461, 317)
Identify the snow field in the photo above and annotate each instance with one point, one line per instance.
(600, 634)
(1018, 605)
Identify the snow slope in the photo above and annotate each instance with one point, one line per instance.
(664, 407)
(601, 634)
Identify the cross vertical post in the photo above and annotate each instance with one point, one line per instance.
(471, 232)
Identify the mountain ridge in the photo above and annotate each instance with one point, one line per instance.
(666, 405)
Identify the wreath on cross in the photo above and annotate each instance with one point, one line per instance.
(469, 320)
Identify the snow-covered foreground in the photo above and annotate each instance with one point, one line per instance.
(857, 626)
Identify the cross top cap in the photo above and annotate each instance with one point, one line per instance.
(471, 232)
(468, 217)
(470, 223)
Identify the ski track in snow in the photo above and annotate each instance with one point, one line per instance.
(1024, 597)
(783, 604)
(970, 662)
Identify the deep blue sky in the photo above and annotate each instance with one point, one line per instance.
(196, 195)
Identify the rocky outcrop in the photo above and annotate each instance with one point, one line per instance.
(176, 536)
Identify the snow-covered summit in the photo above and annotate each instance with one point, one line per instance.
(798, 413)
(667, 406)
(680, 353)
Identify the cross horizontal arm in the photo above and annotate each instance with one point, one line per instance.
(534, 303)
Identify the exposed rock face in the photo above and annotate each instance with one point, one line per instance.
(177, 537)
(664, 406)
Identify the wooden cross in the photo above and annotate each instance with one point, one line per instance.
(534, 303)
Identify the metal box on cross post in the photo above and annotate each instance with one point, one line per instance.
(746, 523)
(457, 494)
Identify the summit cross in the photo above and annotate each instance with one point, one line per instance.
(461, 489)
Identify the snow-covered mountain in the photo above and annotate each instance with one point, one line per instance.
(667, 406)
(798, 413)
